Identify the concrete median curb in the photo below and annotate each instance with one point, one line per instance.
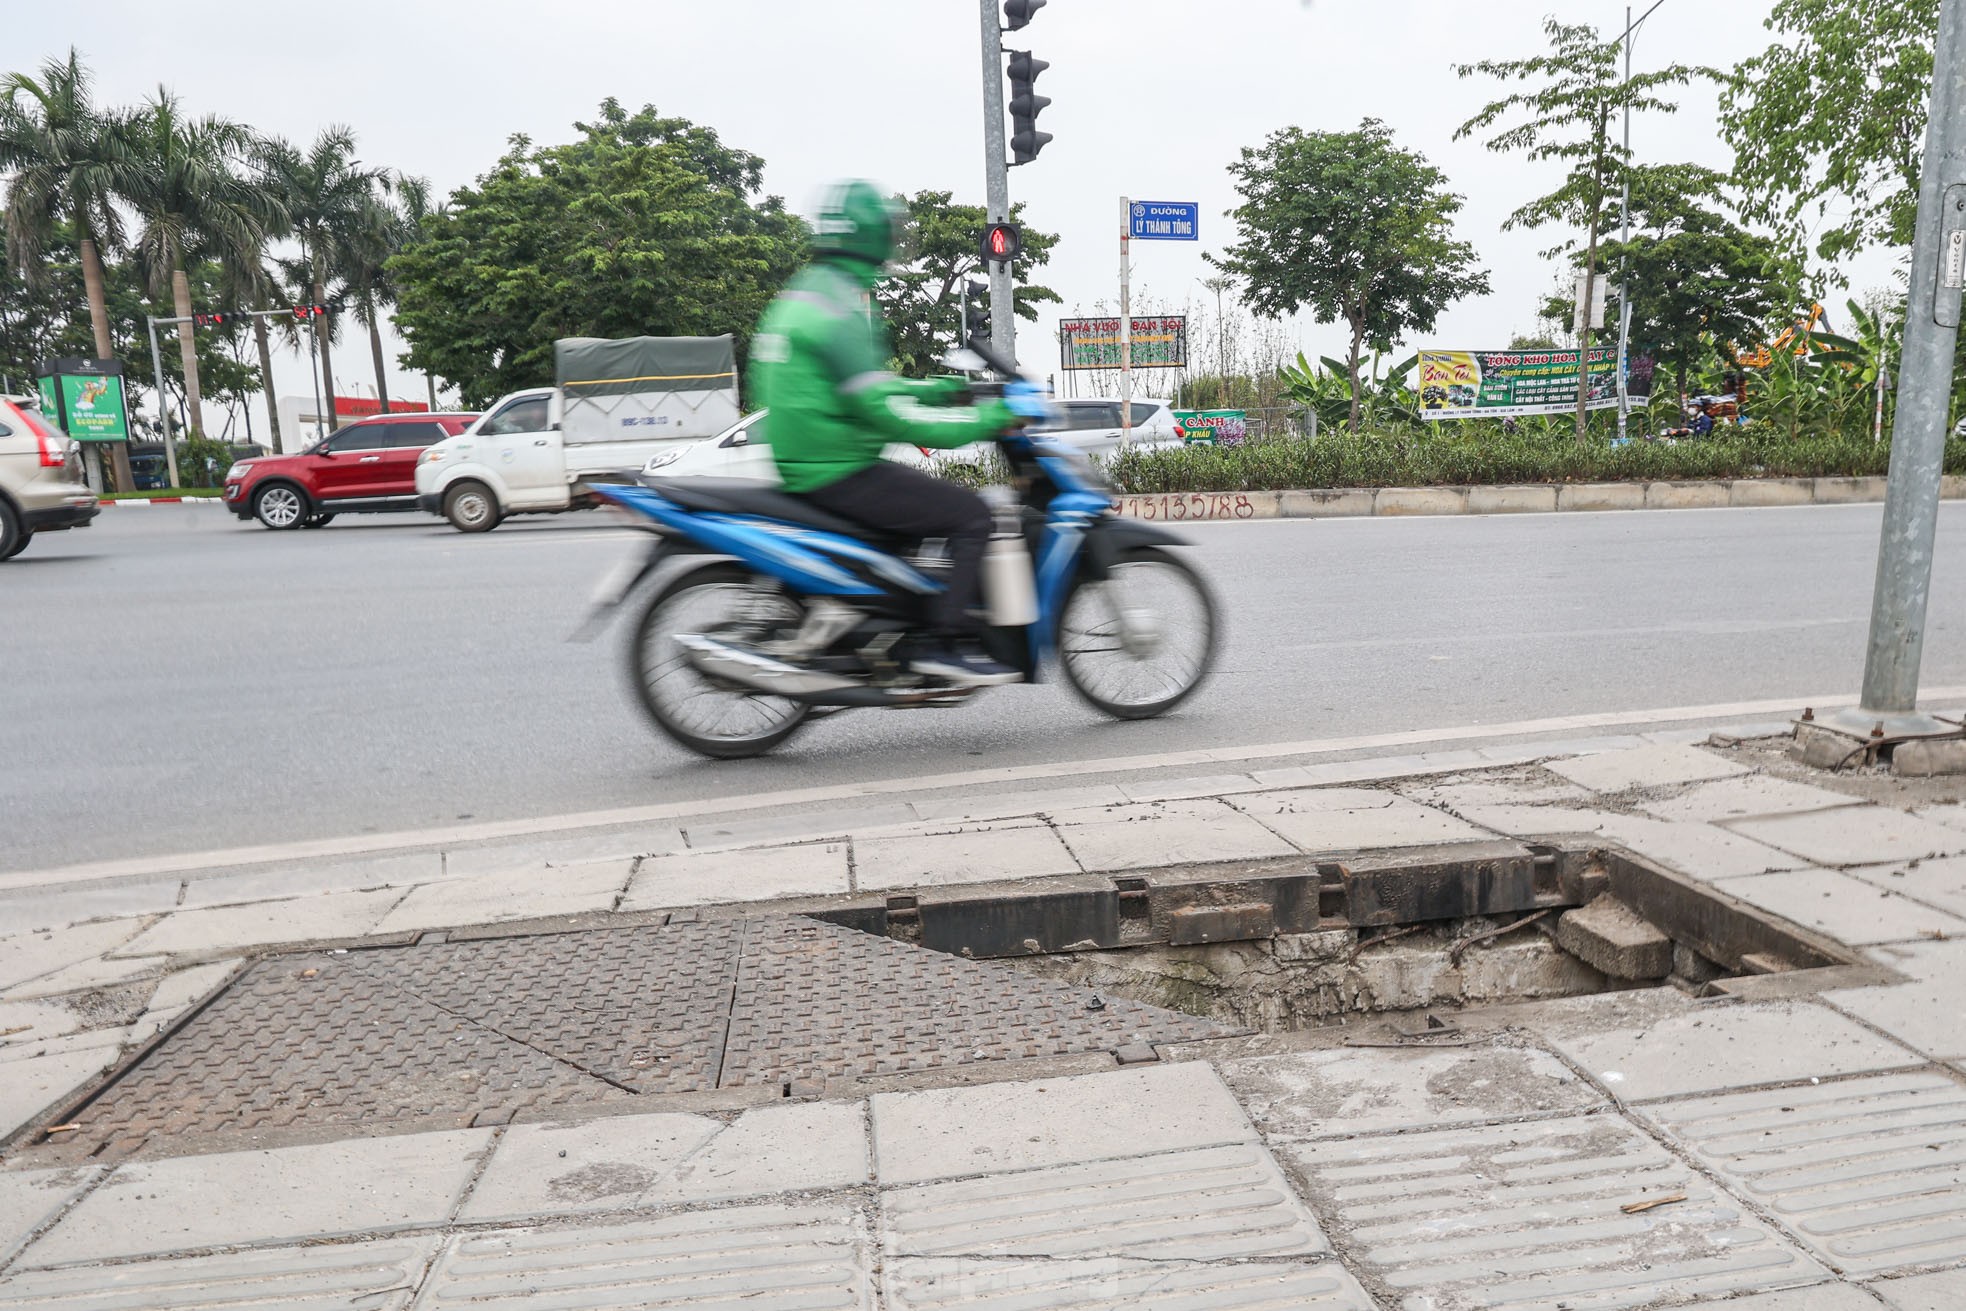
(167, 500)
(1523, 498)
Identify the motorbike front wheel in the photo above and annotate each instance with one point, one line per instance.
(1139, 641)
(707, 715)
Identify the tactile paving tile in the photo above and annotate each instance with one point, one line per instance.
(1109, 1285)
(767, 1257)
(1213, 1204)
(1869, 1172)
(375, 1276)
(1528, 1216)
(815, 1000)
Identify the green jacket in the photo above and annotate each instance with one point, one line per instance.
(819, 362)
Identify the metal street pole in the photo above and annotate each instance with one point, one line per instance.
(1126, 321)
(163, 409)
(314, 359)
(1624, 275)
(1911, 499)
(996, 168)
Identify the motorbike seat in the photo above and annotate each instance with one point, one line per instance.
(749, 496)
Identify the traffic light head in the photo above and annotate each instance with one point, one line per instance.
(310, 311)
(1025, 106)
(976, 311)
(1002, 242)
(1018, 12)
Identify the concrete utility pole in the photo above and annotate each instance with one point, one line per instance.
(996, 166)
(1911, 500)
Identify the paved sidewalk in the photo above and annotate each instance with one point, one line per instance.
(1767, 1152)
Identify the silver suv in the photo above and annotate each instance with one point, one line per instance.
(41, 487)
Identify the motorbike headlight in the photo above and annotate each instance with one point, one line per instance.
(663, 459)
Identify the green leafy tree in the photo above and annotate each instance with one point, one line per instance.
(1353, 228)
(1571, 115)
(922, 300)
(328, 195)
(388, 225)
(644, 225)
(1832, 118)
(1700, 283)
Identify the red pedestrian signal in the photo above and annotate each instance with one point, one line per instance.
(310, 311)
(1002, 242)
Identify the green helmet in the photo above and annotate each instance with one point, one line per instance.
(857, 221)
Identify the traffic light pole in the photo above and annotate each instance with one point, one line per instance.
(1911, 498)
(996, 164)
(163, 402)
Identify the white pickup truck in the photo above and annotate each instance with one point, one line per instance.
(617, 403)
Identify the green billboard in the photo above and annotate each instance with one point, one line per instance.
(92, 407)
(50, 401)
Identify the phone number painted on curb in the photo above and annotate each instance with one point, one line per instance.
(1192, 506)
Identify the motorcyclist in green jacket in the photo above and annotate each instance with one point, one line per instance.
(820, 363)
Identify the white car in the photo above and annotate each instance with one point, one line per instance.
(1090, 425)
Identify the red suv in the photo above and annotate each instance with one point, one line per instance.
(359, 468)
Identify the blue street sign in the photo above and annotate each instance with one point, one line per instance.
(1161, 220)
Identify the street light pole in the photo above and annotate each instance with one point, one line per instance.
(163, 407)
(996, 178)
(1624, 273)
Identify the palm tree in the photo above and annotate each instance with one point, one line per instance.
(245, 279)
(191, 200)
(67, 161)
(392, 221)
(328, 196)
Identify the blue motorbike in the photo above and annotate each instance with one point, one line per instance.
(777, 610)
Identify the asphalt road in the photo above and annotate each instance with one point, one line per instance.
(172, 680)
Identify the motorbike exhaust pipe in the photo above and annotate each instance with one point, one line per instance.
(754, 670)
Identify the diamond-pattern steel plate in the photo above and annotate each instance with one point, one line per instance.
(504, 1026)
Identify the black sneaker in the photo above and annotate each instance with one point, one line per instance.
(964, 668)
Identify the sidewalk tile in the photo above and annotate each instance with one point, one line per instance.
(1503, 791)
(1852, 911)
(511, 856)
(1371, 769)
(1815, 1297)
(1745, 798)
(1010, 805)
(25, 956)
(1700, 851)
(286, 1194)
(781, 829)
(1871, 1173)
(1161, 833)
(184, 987)
(379, 1275)
(31, 1198)
(1952, 816)
(758, 874)
(978, 856)
(1179, 789)
(32, 909)
(1649, 766)
(1728, 1045)
(1111, 1284)
(1349, 819)
(1569, 746)
(33, 1084)
(947, 1133)
(83, 976)
(768, 1257)
(635, 1161)
(524, 895)
(1924, 1012)
(23, 1022)
(1355, 1090)
(313, 878)
(1855, 835)
(1535, 821)
(1940, 883)
(1528, 1216)
(1209, 1204)
(229, 928)
(1944, 1290)
(86, 1040)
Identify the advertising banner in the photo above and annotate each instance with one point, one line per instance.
(92, 407)
(50, 401)
(1158, 343)
(1214, 427)
(1498, 384)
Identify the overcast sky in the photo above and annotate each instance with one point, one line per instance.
(1151, 99)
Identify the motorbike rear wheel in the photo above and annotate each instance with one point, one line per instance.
(707, 715)
(1138, 642)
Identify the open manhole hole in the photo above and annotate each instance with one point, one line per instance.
(702, 1010)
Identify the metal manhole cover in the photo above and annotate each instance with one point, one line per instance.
(452, 1030)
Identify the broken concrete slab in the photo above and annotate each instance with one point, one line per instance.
(1725, 1045)
(1612, 937)
(1923, 1012)
(1746, 797)
(1940, 883)
(1645, 767)
(1700, 851)
(241, 1198)
(33, 909)
(1855, 911)
(1535, 821)
(1162, 833)
(815, 869)
(947, 1133)
(1350, 819)
(1929, 759)
(33, 1084)
(518, 895)
(1855, 835)
(31, 1198)
(29, 956)
(229, 928)
(978, 855)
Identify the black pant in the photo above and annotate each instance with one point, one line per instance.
(898, 501)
